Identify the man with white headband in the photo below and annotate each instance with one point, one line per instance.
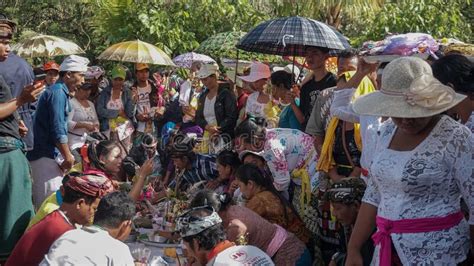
(205, 240)
(50, 129)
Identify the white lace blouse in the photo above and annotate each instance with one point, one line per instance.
(425, 182)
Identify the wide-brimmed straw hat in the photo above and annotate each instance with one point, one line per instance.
(409, 90)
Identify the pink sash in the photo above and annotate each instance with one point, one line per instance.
(422, 225)
(278, 239)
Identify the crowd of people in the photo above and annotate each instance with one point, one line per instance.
(371, 164)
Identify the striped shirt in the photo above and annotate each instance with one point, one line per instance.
(204, 168)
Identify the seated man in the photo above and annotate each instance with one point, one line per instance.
(81, 197)
(205, 240)
(345, 197)
(100, 243)
(190, 168)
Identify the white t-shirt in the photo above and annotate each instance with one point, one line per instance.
(88, 246)
(143, 104)
(209, 112)
(241, 255)
(253, 107)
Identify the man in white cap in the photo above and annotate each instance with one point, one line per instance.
(50, 129)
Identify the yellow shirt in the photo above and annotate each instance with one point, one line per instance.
(49, 205)
(365, 87)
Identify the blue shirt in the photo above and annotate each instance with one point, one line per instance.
(288, 118)
(50, 121)
(18, 74)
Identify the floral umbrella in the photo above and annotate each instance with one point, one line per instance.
(46, 46)
(136, 52)
(187, 59)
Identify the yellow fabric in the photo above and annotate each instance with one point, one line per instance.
(115, 122)
(326, 161)
(357, 137)
(76, 168)
(49, 205)
(365, 87)
(272, 113)
(302, 174)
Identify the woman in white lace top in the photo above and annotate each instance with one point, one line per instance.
(422, 164)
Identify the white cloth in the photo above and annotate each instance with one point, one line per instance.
(115, 104)
(209, 111)
(74, 63)
(369, 131)
(470, 123)
(185, 93)
(88, 246)
(423, 183)
(241, 255)
(143, 104)
(80, 113)
(253, 107)
(47, 178)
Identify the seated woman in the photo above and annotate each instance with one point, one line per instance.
(263, 199)
(345, 197)
(243, 225)
(105, 158)
(227, 164)
(291, 158)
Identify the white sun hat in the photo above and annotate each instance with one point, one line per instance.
(258, 71)
(408, 90)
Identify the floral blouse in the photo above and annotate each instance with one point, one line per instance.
(286, 150)
(425, 182)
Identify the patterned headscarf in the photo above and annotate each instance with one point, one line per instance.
(347, 191)
(91, 185)
(192, 223)
(94, 72)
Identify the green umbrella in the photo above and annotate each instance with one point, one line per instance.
(223, 45)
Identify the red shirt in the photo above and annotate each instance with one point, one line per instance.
(242, 100)
(35, 243)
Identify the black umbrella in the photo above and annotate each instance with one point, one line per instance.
(291, 36)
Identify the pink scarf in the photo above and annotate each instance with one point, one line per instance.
(278, 239)
(422, 225)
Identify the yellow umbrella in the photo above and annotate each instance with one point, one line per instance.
(46, 46)
(136, 52)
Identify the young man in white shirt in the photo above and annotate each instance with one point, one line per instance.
(145, 95)
(100, 243)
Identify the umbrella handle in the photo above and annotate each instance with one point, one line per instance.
(285, 37)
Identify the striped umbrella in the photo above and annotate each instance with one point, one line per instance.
(46, 46)
(136, 52)
(187, 59)
(291, 36)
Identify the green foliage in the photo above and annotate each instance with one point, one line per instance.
(440, 18)
(179, 26)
